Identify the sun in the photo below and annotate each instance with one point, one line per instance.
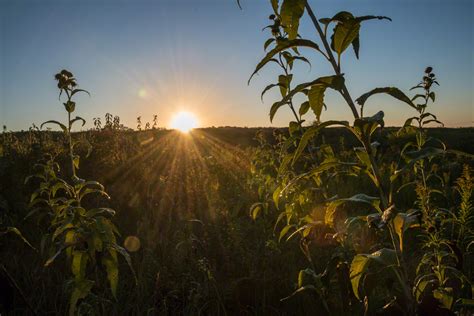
(184, 121)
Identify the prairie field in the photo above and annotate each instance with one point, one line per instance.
(187, 199)
(339, 179)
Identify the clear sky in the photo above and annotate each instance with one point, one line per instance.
(139, 58)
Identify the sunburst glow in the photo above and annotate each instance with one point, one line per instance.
(184, 121)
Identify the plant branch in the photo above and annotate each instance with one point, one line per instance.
(344, 92)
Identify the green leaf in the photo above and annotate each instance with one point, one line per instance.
(75, 161)
(127, 258)
(70, 106)
(294, 126)
(362, 264)
(284, 231)
(63, 127)
(268, 42)
(103, 211)
(409, 121)
(344, 34)
(109, 260)
(270, 86)
(274, 6)
(312, 132)
(291, 12)
(80, 291)
(394, 92)
(372, 17)
(368, 125)
(402, 222)
(302, 59)
(417, 155)
(445, 296)
(418, 96)
(363, 156)
(284, 83)
(334, 82)
(17, 232)
(78, 118)
(276, 196)
(87, 191)
(361, 198)
(255, 209)
(299, 290)
(282, 45)
(79, 90)
(432, 96)
(356, 46)
(316, 99)
(61, 229)
(304, 108)
(79, 264)
(465, 302)
(433, 121)
(347, 30)
(51, 259)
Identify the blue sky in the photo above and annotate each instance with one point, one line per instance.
(139, 58)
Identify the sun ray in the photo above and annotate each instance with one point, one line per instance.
(184, 121)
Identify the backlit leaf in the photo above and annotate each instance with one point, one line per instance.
(394, 92)
(282, 45)
(290, 14)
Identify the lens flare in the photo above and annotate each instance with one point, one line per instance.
(184, 122)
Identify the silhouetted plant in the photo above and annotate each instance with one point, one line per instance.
(155, 121)
(308, 171)
(86, 235)
(139, 123)
(97, 123)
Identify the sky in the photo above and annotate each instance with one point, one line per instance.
(143, 57)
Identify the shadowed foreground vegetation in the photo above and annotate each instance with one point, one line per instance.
(187, 199)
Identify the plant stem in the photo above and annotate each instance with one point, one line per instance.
(344, 92)
(71, 155)
(347, 97)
